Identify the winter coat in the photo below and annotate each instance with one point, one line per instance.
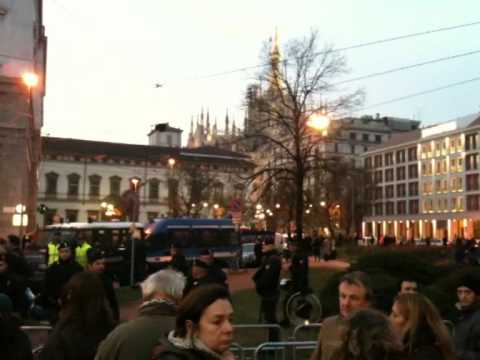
(424, 345)
(267, 277)
(14, 287)
(426, 352)
(111, 296)
(137, 338)
(329, 339)
(182, 350)
(68, 342)
(56, 277)
(467, 333)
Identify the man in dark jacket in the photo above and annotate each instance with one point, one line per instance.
(136, 339)
(96, 264)
(267, 280)
(58, 274)
(467, 328)
(13, 286)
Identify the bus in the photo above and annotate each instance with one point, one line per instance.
(192, 236)
(111, 237)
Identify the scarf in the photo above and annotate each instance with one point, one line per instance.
(193, 343)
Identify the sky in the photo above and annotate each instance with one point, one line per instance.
(105, 57)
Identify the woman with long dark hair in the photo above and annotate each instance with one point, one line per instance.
(417, 321)
(85, 320)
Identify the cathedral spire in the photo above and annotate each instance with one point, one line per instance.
(226, 124)
(234, 128)
(208, 121)
(275, 60)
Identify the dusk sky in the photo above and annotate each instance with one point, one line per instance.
(104, 58)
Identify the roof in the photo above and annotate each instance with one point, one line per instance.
(164, 127)
(101, 150)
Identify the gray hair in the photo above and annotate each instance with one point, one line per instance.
(169, 282)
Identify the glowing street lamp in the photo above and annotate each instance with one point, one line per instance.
(135, 183)
(205, 204)
(30, 79)
(259, 207)
(216, 206)
(171, 162)
(277, 206)
(323, 203)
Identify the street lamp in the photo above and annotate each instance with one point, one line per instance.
(277, 206)
(323, 203)
(172, 162)
(216, 206)
(319, 121)
(30, 79)
(205, 204)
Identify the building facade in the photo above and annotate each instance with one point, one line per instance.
(78, 176)
(425, 183)
(22, 50)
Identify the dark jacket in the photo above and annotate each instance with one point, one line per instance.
(267, 277)
(56, 277)
(137, 338)
(14, 343)
(299, 272)
(68, 342)
(179, 263)
(423, 346)
(111, 296)
(467, 333)
(167, 351)
(14, 287)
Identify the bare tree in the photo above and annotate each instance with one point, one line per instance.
(297, 88)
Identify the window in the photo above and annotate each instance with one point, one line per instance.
(152, 215)
(389, 192)
(378, 176)
(389, 159)
(457, 203)
(173, 195)
(472, 182)
(471, 162)
(388, 175)
(401, 173)
(51, 185)
(401, 190)
(378, 193)
(169, 140)
(73, 185)
(115, 182)
(218, 192)
(48, 216)
(456, 183)
(378, 161)
(378, 209)
(473, 202)
(413, 171)
(93, 215)
(368, 163)
(427, 205)
(470, 142)
(353, 136)
(413, 207)
(401, 207)
(413, 189)
(94, 181)
(412, 154)
(71, 215)
(365, 137)
(427, 187)
(153, 190)
(378, 138)
(389, 208)
(400, 156)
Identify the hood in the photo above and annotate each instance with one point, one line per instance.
(194, 343)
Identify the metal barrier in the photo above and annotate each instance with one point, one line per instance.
(249, 350)
(38, 341)
(239, 350)
(283, 346)
(302, 327)
(450, 326)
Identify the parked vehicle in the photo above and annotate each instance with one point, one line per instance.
(248, 255)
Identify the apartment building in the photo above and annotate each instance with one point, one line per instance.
(425, 183)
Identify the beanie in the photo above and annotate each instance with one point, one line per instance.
(470, 281)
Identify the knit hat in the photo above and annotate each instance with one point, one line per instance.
(6, 305)
(470, 281)
(94, 254)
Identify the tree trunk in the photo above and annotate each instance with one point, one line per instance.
(299, 205)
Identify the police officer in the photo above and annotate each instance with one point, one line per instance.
(267, 280)
(81, 249)
(52, 248)
(58, 274)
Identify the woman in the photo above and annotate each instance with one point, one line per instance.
(85, 320)
(203, 329)
(368, 335)
(418, 323)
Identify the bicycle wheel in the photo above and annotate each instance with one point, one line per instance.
(303, 309)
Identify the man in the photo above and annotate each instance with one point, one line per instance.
(52, 248)
(96, 265)
(467, 327)
(13, 286)
(267, 280)
(178, 261)
(355, 293)
(408, 287)
(203, 273)
(135, 339)
(81, 249)
(215, 272)
(58, 274)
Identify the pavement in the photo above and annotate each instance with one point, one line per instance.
(237, 280)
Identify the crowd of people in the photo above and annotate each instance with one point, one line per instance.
(186, 312)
